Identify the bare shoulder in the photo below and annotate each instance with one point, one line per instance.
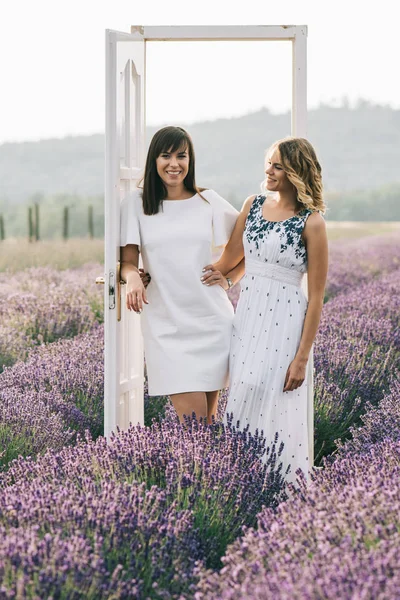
(315, 224)
(247, 204)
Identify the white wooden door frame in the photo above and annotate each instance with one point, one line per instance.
(296, 34)
(123, 394)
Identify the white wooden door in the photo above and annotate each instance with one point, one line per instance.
(125, 142)
(125, 123)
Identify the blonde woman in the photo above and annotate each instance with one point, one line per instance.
(282, 235)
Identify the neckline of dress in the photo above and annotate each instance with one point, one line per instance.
(182, 200)
(284, 220)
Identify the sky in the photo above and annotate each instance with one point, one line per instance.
(52, 62)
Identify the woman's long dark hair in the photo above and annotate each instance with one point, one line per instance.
(167, 139)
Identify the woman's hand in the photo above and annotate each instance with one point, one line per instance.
(145, 277)
(295, 375)
(212, 276)
(135, 293)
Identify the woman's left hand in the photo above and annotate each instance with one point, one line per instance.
(295, 375)
(212, 276)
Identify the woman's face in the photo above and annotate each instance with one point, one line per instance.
(173, 167)
(277, 180)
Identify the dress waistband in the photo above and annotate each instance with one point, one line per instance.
(276, 272)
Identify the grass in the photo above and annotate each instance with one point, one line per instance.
(358, 229)
(19, 254)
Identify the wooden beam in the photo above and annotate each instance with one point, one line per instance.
(216, 32)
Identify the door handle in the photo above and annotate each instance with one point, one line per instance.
(119, 283)
(102, 281)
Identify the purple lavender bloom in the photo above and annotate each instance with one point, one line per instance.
(48, 305)
(57, 393)
(355, 262)
(379, 423)
(356, 357)
(337, 539)
(150, 512)
(160, 497)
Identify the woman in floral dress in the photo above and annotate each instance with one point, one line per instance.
(282, 235)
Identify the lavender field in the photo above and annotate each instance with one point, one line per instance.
(165, 511)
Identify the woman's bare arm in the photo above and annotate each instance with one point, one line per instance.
(135, 291)
(316, 241)
(233, 253)
(237, 273)
(213, 276)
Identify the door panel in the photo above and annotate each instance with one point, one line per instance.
(124, 365)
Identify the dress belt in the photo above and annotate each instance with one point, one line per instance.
(276, 272)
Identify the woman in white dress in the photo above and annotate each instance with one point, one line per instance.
(186, 325)
(282, 236)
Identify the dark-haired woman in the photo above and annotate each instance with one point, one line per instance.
(186, 325)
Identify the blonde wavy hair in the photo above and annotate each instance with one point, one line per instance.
(301, 166)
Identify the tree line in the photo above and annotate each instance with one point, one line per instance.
(56, 217)
(63, 216)
(357, 147)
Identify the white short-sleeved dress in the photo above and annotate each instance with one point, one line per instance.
(187, 325)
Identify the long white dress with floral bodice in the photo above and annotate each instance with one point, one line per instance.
(266, 334)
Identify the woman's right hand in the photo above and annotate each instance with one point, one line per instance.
(135, 293)
(213, 276)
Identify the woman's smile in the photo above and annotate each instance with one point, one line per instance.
(172, 167)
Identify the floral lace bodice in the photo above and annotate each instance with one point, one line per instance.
(275, 242)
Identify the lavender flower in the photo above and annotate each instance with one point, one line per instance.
(150, 512)
(337, 539)
(356, 356)
(48, 305)
(160, 498)
(379, 423)
(56, 394)
(354, 262)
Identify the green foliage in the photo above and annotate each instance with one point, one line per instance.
(369, 206)
(12, 444)
(154, 409)
(96, 304)
(357, 148)
(72, 165)
(379, 204)
(61, 216)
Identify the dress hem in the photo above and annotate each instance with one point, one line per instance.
(189, 389)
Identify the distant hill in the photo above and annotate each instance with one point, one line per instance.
(358, 149)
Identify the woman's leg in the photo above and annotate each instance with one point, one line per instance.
(189, 402)
(212, 405)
